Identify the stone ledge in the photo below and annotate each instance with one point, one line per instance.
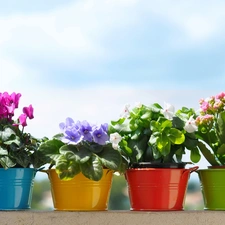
(112, 218)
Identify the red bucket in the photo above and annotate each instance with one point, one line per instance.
(157, 189)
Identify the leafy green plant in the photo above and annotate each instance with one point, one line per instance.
(17, 148)
(211, 129)
(153, 134)
(81, 147)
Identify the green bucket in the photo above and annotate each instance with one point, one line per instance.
(212, 182)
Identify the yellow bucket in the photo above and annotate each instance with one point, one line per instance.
(80, 193)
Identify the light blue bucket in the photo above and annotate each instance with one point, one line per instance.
(16, 188)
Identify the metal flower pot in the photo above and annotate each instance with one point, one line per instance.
(157, 189)
(80, 193)
(16, 188)
(212, 182)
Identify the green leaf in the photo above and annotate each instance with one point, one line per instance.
(94, 147)
(22, 158)
(146, 115)
(6, 162)
(14, 140)
(79, 156)
(164, 123)
(3, 151)
(221, 150)
(137, 133)
(209, 156)
(148, 154)
(195, 155)
(177, 122)
(92, 169)
(221, 126)
(176, 136)
(156, 153)
(58, 136)
(161, 142)
(110, 158)
(66, 167)
(190, 141)
(120, 121)
(141, 146)
(134, 124)
(179, 153)
(51, 148)
(7, 134)
(124, 145)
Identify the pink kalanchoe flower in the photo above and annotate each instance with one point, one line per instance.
(220, 96)
(204, 106)
(217, 104)
(205, 119)
(23, 120)
(29, 111)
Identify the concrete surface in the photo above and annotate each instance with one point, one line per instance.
(112, 218)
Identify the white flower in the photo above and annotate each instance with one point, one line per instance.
(168, 111)
(115, 139)
(138, 104)
(126, 112)
(190, 125)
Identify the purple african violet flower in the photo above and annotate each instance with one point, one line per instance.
(85, 130)
(72, 136)
(100, 136)
(68, 124)
(105, 127)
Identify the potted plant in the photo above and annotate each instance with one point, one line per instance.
(152, 141)
(19, 160)
(211, 143)
(81, 163)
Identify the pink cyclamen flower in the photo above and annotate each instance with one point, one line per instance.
(8, 103)
(29, 111)
(15, 98)
(23, 120)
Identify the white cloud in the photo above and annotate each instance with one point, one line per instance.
(9, 72)
(197, 20)
(85, 32)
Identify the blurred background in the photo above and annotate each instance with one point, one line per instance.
(87, 58)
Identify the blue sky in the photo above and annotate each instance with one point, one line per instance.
(86, 59)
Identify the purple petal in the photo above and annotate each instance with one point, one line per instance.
(72, 136)
(100, 136)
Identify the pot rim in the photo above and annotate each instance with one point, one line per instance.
(180, 165)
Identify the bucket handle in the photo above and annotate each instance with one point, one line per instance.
(190, 170)
(193, 169)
